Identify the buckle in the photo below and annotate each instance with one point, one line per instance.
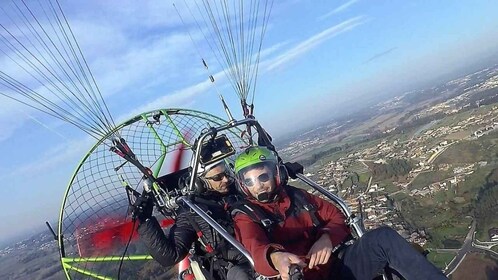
(266, 222)
(308, 207)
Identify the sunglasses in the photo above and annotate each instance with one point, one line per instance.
(263, 178)
(218, 177)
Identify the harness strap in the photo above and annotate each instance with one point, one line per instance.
(255, 213)
(302, 203)
(202, 239)
(340, 249)
(267, 220)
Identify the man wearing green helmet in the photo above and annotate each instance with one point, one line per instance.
(214, 187)
(252, 159)
(282, 226)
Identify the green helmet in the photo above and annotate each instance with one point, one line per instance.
(252, 156)
(257, 157)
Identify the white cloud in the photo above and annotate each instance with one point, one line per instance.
(337, 10)
(8, 127)
(22, 114)
(186, 97)
(149, 14)
(14, 115)
(140, 65)
(272, 49)
(56, 156)
(312, 42)
(131, 50)
(119, 61)
(183, 98)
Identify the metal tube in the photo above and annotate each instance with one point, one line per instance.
(227, 110)
(214, 131)
(351, 219)
(218, 228)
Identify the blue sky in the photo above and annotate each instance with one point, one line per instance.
(321, 57)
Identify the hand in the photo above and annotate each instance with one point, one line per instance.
(283, 260)
(321, 251)
(183, 181)
(143, 207)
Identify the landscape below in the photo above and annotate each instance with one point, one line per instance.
(424, 163)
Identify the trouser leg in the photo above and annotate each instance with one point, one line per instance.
(242, 272)
(378, 248)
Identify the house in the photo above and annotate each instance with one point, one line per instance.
(493, 234)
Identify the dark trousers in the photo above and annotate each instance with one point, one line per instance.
(382, 247)
(242, 272)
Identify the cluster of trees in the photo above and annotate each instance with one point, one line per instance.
(393, 168)
(486, 204)
(353, 179)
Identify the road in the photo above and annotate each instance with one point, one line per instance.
(438, 153)
(468, 246)
(484, 244)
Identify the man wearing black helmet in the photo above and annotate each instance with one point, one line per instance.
(220, 260)
(286, 226)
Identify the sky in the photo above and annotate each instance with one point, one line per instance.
(321, 58)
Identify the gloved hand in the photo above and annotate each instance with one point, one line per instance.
(183, 181)
(143, 207)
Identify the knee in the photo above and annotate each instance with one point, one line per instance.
(383, 234)
(386, 231)
(239, 272)
(232, 273)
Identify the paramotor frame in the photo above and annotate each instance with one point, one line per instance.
(95, 206)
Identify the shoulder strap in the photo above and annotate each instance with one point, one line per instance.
(302, 204)
(265, 219)
(202, 239)
(256, 213)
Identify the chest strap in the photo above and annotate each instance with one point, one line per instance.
(267, 220)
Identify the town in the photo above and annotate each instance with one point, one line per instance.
(464, 119)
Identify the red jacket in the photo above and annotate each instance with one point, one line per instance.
(294, 235)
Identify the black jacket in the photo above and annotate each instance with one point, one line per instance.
(171, 249)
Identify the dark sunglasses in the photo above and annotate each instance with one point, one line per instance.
(265, 177)
(218, 177)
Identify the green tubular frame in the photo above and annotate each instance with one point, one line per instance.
(67, 262)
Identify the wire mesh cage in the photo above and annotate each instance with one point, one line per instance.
(95, 225)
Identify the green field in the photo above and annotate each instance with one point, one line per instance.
(446, 222)
(400, 196)
(443, 196)
(454, 119)
(426, 178)
(450, 235)
(364, 178)
(469, 188)
(440, 259)
(403, 136)
(466, 152)
(483, 227)
(388, 186)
